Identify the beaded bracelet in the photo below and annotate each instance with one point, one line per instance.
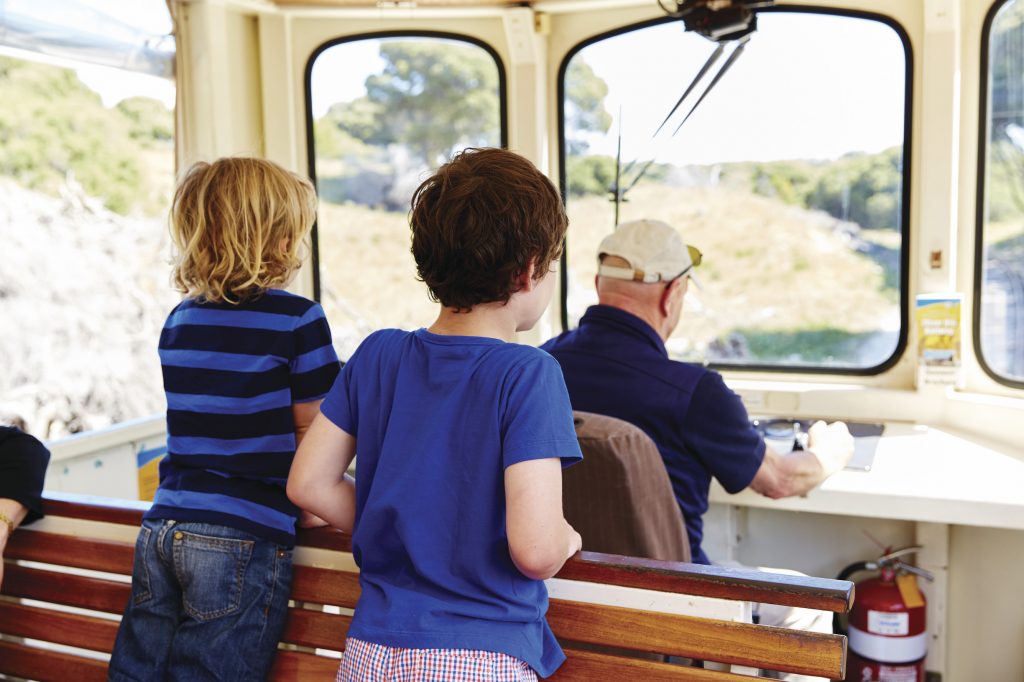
(10, 524)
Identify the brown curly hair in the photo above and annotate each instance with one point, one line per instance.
(228, 221)
(479, 222)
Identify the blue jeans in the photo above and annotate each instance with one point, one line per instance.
(208, 602)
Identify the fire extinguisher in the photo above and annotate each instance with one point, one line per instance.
(888, 637)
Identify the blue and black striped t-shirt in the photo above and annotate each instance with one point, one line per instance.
(231, 374)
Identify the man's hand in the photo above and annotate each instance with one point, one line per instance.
(832, 444)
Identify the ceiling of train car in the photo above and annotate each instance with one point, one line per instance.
(414, 3)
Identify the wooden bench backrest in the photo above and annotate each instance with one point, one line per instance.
(79, 538)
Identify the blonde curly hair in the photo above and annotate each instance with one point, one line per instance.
(238, 225)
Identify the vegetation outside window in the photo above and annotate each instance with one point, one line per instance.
(86, 173)
(999, 267)
(789, 176)
(386, 112)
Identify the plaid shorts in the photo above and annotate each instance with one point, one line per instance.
(367, 662)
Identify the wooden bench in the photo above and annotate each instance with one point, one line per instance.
(66, 582)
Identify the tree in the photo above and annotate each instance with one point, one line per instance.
(149, 120)
(55, 127)
(585, 113)
(432, 97)
(584, 103)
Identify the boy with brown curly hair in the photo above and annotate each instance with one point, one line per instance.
(456, 509)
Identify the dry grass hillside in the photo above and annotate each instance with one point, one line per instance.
(770, 268)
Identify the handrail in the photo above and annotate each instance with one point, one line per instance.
(693, 579)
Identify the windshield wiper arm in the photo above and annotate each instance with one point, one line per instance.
(718, 76)
(700, 74)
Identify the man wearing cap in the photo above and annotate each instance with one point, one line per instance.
(615, 364)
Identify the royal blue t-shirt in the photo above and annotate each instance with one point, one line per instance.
(437, 419)
(615, 364)
(231, 374)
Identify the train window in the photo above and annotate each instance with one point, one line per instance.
(789, 175)
(86, 174)
(999, 266)
(385, 112)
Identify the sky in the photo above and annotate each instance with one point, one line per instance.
(807, 86)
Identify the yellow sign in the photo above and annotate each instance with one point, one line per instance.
(148, 465)
(938, 338)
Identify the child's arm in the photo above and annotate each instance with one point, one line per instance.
(317, 482)
(303, 415)
(539, 538)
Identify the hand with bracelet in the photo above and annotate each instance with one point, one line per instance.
(23, 461)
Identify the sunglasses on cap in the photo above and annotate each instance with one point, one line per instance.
(695, 259)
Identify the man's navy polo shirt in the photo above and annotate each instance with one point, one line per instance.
(615, 364)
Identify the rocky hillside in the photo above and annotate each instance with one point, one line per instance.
(83, 295)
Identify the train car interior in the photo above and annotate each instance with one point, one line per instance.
(851, 170)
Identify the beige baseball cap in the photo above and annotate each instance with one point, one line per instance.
(654, 250)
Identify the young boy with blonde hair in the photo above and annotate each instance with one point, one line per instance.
(245, 365)
(456, 509)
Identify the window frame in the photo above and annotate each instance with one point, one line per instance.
(908, 101)
(981, 197)
(376, 35)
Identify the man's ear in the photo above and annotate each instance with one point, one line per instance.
(675, 289)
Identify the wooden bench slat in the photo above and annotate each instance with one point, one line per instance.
(324, 538)
(583, 623)
(586, 666)
(87, 508)
(810, 653)
(64, 550)
(49, 666)
(65, 588)
(316, 629)
(129, 513)
(297, 665)
(72, 629)
(325, 586)
(711, 581)
(707, 581)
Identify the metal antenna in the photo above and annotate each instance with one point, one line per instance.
(618, 171)
(718, 76)
(639, 175)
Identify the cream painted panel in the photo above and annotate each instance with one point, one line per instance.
(986, 610)
(816, 544)
(244, 89)
(225, 109)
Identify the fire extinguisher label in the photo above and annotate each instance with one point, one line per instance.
(884, 623)
(898, 673)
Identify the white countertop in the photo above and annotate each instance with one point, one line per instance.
(920, 473)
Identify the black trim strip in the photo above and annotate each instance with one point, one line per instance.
(981, 200)
(908, 115)
(310, 144)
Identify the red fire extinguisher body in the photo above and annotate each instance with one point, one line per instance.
(887, 639)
